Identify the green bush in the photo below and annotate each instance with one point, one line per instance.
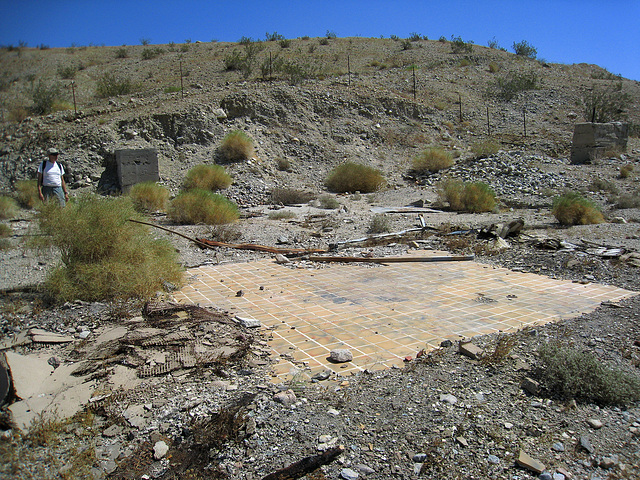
(207, 177)
(44, 97)
(8, 208)
(67, 72)
(524, 49)
(237, 146)
(290, 196)
(104, 255)
(149, 197)
(328, 202)
(507, 87)
(379, 224)
(202, 206)
(27, 193)
(580, 375)
(605, 104)
(354, 177)
(432, 160)
(460, 46)
(485, 148)
(122, 53)
(108, 85)
(472, 197)
(151, 53)
(573, 209)
(603, 185)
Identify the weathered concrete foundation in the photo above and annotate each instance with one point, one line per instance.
(136, 166)
(592, 140)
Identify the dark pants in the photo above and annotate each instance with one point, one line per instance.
(51, 192)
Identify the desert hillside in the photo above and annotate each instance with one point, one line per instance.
(315, 102)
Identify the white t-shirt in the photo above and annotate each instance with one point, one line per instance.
(52, 175)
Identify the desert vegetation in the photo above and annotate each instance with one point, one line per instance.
(574, 209)
(354, 177)
(207, 177)
(197, 206)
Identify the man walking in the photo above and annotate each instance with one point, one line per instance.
(51, 179)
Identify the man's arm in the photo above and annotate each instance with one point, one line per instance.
(40, 186)
(64, 188)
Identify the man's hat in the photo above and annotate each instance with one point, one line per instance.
(53, 151)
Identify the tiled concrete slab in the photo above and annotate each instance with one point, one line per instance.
(383, 313)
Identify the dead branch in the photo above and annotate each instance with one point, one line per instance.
(306, 465)
(381, 236)
(194, 240)
(316, 258)
(261, 248)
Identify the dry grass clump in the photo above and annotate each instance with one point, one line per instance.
(432, 160)
(354, 177)
(328, 202)
(380, 223)
(290, 196)
(628, 200)
(207, 177)
(485, 148)
(473, 197)
(626, 170)
(202, 206)
(8, 208)
(573, 209)
(580, 375)
(104, 255)
(149, 197)
(281, 215)
(27, 193)
(237, 146)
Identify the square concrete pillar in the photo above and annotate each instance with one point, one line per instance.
(136, 166)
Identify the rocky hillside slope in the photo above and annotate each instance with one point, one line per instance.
(316, 103)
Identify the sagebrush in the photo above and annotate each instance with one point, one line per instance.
(105, 256)
(149, 197)
(574, 209)
(574, 374)
(473, 197)
(197, 206)
(237, 146)
(354, 177)
(431, 160)
(207, 177)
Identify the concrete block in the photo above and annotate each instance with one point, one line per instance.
(136, 166)
(470, 350)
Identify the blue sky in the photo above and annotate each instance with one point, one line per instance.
(602, 32)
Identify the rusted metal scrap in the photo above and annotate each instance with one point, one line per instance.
(306, 465)
(261, 248)
(316, 258)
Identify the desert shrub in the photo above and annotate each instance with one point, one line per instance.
(108, 85)
(151, 53)
(573, 374)
(507, 87)
(236, 146)
(442, 39)
(603, 185)
(354, 177)
(290, 196)
(281, 215)
(605, 104)
(460, 46)
(121, 53)
(5, 230)
(523, 49)
(328, 202)
(202, 206)
(67, 72)
(415, 37)
(44, 97)
(331, 34)
(493, 43)
(628, 200)
(406, 44)
(323, 41)
(432, 160)
(207, 177)
(27, 193)
(285, 43)
(273, 37)
(18, 114)
(104, 255)
(494, 67)
(145, 41)
(472, 197)
(625, 170)
(574, 209)
(284, 165)
(8, 208)
(149, 197)
(485, 148)
(379, 223)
